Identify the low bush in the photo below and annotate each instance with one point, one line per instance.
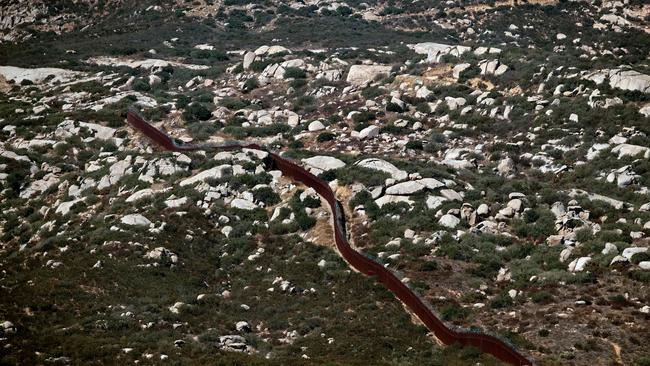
(294, 73)
(196, 112)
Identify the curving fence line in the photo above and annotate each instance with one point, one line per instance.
(484, 342)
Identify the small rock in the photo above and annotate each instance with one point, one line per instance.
(316, 126)
(578, 264)
(243, 326)
(135, 220)
(449, 221)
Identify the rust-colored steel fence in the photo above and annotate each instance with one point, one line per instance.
(484, 342)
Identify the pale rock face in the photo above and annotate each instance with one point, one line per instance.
(458, 69)
(64, 208)
(135, 220)
(116, 172)
(624, 79)
(435, 51)
(381, 201)
(645, 110)
(216, 172)
(8, 327)
(553, 240)
(322, 163)
(626, 179)
(483, 210)
(504, 275)
(293, 120)
(623, 150)
(449, 221)
(243, 204)
(40, 186)
(38, 75)
(161, 252)
(144, 64)
(431, 183)
(101, 132)
(361, 74)
(434, 202)
(630, 80)
(451, 195)
(423, 92)
(492, 67)
(618, 259)
(249, 58)
(384, 166)
(262, 50)
(578, 264)
(454, 103)
(154, 80)
(506, 166)
(315, 126)
(243, 326)
(595, 150)
(631, 251)
(505, 213)
(369, 132)
(405, 188)
(609, 249)
(176, 308)
(615, 19)
(174, 203)
(516, 204)
(277, 49)
(457, 164)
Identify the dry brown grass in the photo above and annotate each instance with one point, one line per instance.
(439, 74)
(4, 86)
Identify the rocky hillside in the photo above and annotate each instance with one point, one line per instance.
(496, 155)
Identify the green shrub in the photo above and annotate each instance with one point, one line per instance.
(325, 136)
(235, 103)
(541, 297)
(638, 275)
(454, 312)
(213, 55)
(196, 112)
(415, 145)
(423, 108)
(643, 361)
(372, 92)
(428, 266)
(394, 107)
(266, 195)
(368, 177)
(363, 116)
(640, 257)
(298, 83)
(543, 332)
(305, 102)
(311, 202)
(501, 301)
(251, 84)
(141, 85)
(183, 101)
(294, 73)
(304, 221)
